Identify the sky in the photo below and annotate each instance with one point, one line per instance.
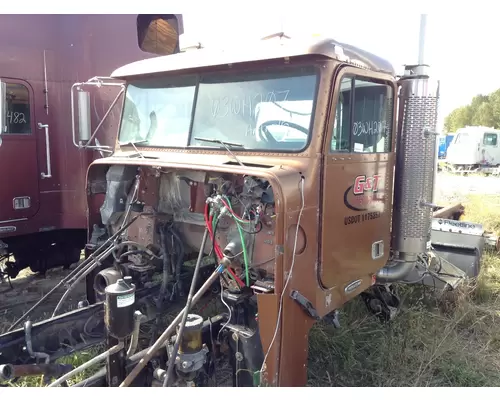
(461, 49)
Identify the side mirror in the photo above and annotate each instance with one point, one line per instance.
(3, 107)
(83, 136)
(84, 125)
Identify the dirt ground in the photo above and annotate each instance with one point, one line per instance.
(27, 288)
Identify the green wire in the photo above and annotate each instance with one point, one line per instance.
(232, 214)
(214, 221)
(245, 257)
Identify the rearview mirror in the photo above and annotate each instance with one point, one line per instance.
(159, 34)
(83, 105)
(3, 102)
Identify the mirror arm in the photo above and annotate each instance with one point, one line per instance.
(104, 117)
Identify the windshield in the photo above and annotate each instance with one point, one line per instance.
(269, 110)
(464, 138)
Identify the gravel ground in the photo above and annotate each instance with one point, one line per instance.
(451, 187)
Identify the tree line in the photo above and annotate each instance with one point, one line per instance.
(483, 110)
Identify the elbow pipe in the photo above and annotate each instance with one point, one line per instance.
(29, 344)
(396, 271)
(104, 278)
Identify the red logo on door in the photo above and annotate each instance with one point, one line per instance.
(363, 184)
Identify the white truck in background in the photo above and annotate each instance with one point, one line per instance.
(474, 149)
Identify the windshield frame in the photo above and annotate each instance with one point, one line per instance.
(227, 74)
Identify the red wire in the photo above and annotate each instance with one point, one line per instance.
(240, 282)
(218, 251)
(205, 306)
(232, 212)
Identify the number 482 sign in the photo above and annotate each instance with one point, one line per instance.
(16, 118)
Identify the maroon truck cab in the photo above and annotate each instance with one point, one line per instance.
(43, 217)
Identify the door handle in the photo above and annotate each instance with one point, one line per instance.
(47, 149)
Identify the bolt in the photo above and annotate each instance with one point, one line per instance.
(185, 364)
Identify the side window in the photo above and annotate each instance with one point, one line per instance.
(363, 118)
(342, 122)
(490, 139)
(17, 110)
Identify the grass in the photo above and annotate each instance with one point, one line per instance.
(452, 341)
(75, 359)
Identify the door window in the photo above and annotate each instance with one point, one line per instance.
(490, 139)
(363, 117)
(17, 109)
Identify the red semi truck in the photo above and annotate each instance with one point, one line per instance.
(43, 217)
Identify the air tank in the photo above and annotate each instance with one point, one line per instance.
(119, 308)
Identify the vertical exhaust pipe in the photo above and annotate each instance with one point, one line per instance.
(415, 167)
(421, 42)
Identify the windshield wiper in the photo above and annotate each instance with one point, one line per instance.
(133, 143)
(226, 145)
(219, 141)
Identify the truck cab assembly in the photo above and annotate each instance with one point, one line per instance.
(284, 179)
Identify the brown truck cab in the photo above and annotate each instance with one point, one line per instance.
(300, 173)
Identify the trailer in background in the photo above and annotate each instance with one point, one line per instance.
(444, 143)
(43, 200)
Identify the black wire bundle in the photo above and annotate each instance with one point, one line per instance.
(173, 251)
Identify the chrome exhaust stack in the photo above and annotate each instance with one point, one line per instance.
(415, 172)
(415, 162)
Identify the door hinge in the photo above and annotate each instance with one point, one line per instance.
(305, 304)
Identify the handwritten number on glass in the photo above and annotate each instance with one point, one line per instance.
(16, 117)
(245, 106)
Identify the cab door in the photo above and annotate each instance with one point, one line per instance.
(490, 148)
(19, 194)
(358, 168)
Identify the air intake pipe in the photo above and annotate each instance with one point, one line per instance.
(414, 174)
